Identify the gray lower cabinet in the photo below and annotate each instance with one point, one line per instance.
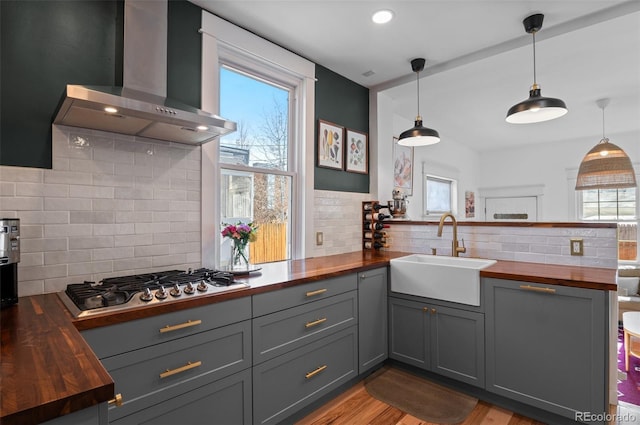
(441, 339)
(372, 318)
(305, 343)
(169, 367)
(545, 346)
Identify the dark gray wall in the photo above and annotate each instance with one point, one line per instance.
(46, 45)
(184, 53)
(343, 102)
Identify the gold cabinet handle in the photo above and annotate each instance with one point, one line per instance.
(538, 289)
(186, 324)
(433, 311)
(425, 309)
(117, 400)
(315, 372)
(315, 322)
(318, 292)
(180, 369)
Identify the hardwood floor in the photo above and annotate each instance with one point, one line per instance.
(356, 407)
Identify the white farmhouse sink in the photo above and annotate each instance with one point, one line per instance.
(455, 279)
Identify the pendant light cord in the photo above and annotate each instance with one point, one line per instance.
(604, 138)
(534, 59)
(418, 81)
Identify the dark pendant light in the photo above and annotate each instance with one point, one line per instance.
(418, 135)
(537, 108)
(606, 166)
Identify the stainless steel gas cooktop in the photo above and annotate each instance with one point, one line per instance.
(126, 292)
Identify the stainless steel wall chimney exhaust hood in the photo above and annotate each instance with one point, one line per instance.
(135, 113)
(141, 107)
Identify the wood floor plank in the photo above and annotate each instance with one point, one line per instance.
(357, 407)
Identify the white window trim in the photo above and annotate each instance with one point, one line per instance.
(219, 40)
(453, 195)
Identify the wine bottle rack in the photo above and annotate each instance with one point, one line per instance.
(373, 234)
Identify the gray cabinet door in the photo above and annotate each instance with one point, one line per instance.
(457, 344)
(227, 401)
(445, 340)
(372, 318)
(545, 345)
(409, 329)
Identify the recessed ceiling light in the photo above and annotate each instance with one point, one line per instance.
(110, 109)
(382, 16)
(202, 127)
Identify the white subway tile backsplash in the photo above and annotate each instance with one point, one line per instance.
(111, 204)
(67, 204)
(21, 174)
(39, 189)
(66, 230)
(95, 217)
(88, 242)
(18, 203)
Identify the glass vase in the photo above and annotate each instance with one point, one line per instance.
(239, 260)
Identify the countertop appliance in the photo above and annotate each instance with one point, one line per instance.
(126, 292)
(9, 259)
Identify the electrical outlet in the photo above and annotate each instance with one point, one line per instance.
(577, 246)
(319, 238)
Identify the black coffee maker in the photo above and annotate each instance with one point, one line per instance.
(9, 259)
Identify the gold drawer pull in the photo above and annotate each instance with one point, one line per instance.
(315, 322)
(315, 372)
(186, 324)
(117, 400)
(180, 369)
(538, 289)
(318, 292)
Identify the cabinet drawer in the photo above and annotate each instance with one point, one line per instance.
(151, 375)
(227, 401)
(270, 302)
(117, 339)
(277, 333)
(292, 381)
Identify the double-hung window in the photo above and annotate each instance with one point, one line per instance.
(256, 183)
(618, 205)
(255, 174)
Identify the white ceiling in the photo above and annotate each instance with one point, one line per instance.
(479, 59)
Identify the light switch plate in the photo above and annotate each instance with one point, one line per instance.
(319, 238)
(576, 246)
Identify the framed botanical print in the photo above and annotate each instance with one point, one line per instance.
(357, 150)
(330, 145)
(402, 167)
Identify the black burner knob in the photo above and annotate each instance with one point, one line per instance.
(176, 291)
(146, 295)
(161, 293)
(189, 289)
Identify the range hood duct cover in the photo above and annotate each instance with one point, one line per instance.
(142, 106)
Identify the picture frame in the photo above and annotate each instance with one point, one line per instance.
(402, 167)
(330, 145)
(357, 151)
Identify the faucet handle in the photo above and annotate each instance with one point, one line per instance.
(464, 248)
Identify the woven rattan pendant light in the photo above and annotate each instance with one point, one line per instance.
(606, 166)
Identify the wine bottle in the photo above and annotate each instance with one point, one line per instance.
(375, 207)
(375, 226)
(375, 245)
(374, 235)
(376, 216)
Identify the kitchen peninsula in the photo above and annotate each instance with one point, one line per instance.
(71, 377)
